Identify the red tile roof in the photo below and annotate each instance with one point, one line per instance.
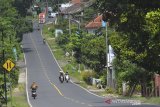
(76, 1)
(96, 23)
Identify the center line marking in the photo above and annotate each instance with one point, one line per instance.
(44, 70)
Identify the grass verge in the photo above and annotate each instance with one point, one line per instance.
(19, 98)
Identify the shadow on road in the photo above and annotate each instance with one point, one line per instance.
(26, 50)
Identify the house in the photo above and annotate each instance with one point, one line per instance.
(64, 6)
(95, 24)
(76, 1)
(74, 7)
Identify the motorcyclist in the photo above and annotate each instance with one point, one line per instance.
(38, 27)
(61, 75)
(67, 74)
(44, 41)
(34, 86)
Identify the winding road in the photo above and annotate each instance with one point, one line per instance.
(44, 70)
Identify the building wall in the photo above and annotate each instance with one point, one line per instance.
(157, 85)
(92, 31)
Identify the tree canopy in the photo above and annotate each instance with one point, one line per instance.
(137, 25)
(137, 34)
(12, 26)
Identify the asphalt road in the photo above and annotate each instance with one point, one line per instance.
(43, 69)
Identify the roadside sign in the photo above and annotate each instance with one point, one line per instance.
(15, 53)
(103, 24)
(8, 65)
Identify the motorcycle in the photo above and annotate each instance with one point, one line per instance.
(67, 78)
(38, 27)
(44, 41)
(34, 94)
(61, 78)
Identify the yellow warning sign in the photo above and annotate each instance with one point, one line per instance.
(8, 65)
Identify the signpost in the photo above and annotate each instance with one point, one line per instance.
(8, 65)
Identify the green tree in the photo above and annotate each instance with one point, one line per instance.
(93, 53)
(89, 13)
(130, 22)
(136, 38)
(22, 6)
(12, 26)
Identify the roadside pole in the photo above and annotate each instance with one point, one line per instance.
(10, 88)
(107, 54)
(106, 16)
(8, 66)
(69, 19)
(4, 72)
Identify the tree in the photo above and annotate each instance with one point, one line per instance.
(93, 53)
(11, 28)
(136, 38)
(22, 6)
(131, 25)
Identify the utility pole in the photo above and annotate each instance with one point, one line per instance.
(106, 17)
(4, 72)
(46, 7)
(57, 18)
(69, 19)
(107, 65)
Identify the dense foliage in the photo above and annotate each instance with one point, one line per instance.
(136, 37)
(12, 26)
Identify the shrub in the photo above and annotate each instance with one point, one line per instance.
(109, 90)
(119, 91)
(87, 76)
(103, 80)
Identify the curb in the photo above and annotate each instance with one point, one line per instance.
(26, 81)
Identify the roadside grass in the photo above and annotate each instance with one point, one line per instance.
(58, 52)
(153, 100)
(69, 64)
(48, 31)
(19, 98)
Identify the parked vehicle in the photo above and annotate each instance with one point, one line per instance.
(50, 9)
(51, 15)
